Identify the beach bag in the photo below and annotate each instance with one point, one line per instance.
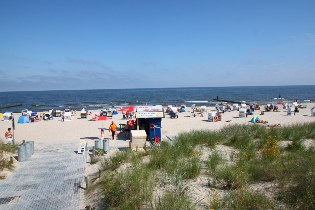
(116, 133)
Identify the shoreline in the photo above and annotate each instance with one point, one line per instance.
(188, 103)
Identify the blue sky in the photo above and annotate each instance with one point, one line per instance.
(81, 44)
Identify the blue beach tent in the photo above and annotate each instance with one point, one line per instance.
(23, 119)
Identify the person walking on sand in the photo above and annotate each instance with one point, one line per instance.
(9, 136)
(112, 128)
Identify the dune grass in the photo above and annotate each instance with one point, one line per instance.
(259, 159)
(174, 200)
(5, 162)
(129, 190)
(246, 199)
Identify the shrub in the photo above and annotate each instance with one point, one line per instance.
(270, 150)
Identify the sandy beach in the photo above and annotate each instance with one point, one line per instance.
(55, 131)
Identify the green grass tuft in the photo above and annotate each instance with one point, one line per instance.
(246, 199)
(174, 200)
(129, 190)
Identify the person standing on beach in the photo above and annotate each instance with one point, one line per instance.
(9, 136)
(112, 128)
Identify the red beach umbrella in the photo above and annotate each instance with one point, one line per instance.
(128, 108)
(102, 118)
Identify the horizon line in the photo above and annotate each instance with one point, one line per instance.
(10, 91)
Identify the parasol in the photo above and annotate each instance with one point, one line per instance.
(128, 108)
(102, 118)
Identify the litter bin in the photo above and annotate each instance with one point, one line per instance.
(28, 149)
(22, 152)
(32, 147)
(98, 144)
(106, 144)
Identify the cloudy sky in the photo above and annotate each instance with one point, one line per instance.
(101, 44)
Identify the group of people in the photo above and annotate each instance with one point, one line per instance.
(271, 107)
(127, 115)
(113, 129)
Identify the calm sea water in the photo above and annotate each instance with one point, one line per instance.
(96, 99)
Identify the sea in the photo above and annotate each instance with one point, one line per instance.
(107, 98)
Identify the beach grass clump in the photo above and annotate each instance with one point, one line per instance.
(5, 161)
(202, 137)
(238, 136)
(117, 160)
(174, 200)
(297, 179)
(213, 161)
(262, 170)
(246, 199)
(188, 168)
(298, 131)
(175, 160)
(8, 148)
(5, 164)
(163, 157)
(131, 189)
(232, 176)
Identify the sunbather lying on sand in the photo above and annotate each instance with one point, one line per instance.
(274, 125)
(262, 121)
